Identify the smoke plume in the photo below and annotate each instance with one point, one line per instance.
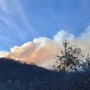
(42, 49)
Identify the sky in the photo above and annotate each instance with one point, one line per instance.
(33, 23)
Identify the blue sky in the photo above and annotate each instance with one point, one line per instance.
(23, 20)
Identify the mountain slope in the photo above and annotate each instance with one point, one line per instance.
(17, 76)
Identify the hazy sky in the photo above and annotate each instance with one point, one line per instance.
(23, 20)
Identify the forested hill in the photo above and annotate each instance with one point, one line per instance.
(11, 69)
(17, 76)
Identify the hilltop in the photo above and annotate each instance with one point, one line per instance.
(20, 76)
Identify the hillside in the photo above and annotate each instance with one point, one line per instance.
(17, 76)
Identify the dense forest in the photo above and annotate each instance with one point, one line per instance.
(70, 73)
(17, 76)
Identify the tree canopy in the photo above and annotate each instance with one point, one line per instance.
(71, 57)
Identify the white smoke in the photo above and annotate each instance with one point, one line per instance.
(42, 49)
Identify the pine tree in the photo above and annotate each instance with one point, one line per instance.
(71, 57)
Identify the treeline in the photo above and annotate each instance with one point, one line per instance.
(71, 72)
(17, 76)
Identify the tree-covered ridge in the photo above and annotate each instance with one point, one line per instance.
(17, 76)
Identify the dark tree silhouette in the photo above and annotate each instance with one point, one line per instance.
(71, 57)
